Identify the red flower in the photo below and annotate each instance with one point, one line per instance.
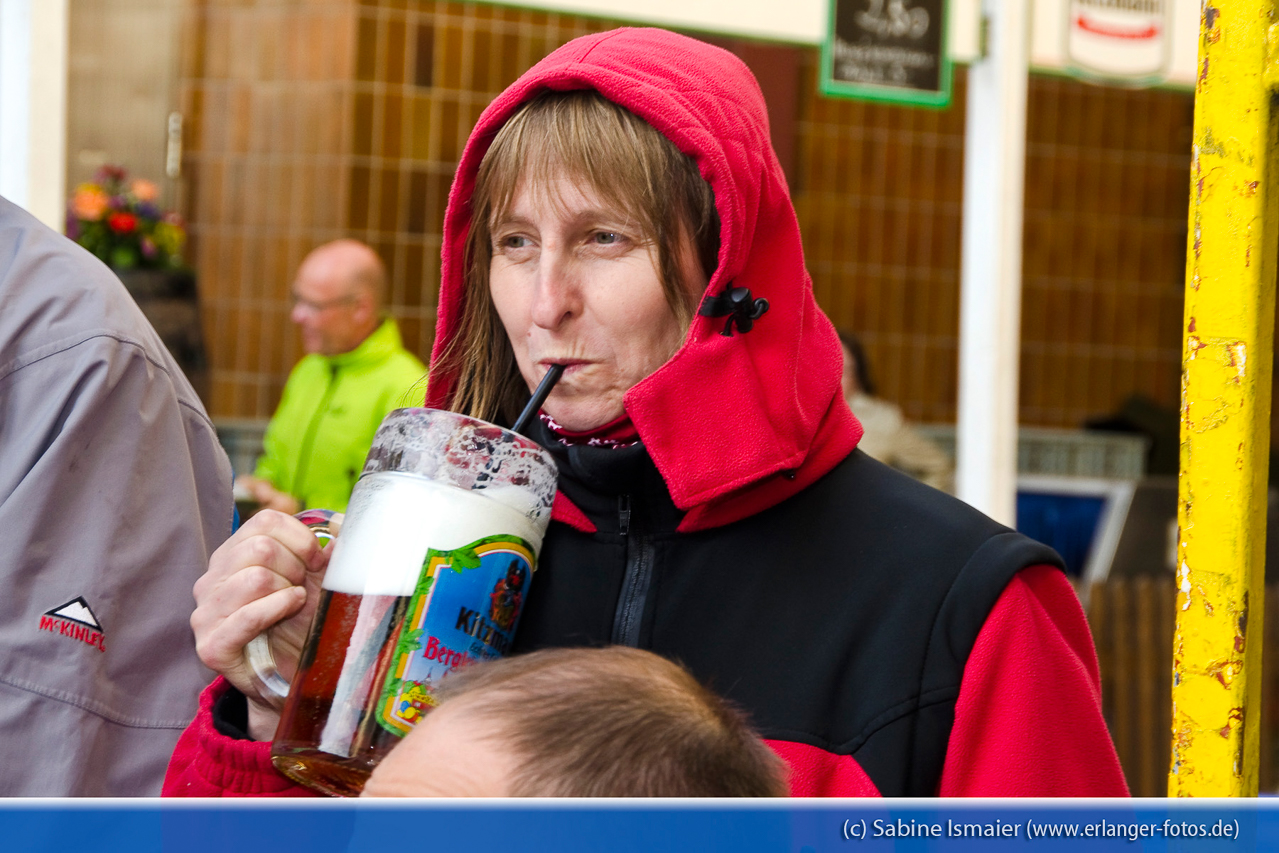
(122, 223)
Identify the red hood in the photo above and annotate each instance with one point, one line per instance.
(734, 423)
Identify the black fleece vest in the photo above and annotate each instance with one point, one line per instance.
(841, 618)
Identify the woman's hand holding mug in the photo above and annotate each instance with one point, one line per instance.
(266, 576)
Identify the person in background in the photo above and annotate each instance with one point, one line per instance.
(355, 371)
(98, 430)
(610, 722)
(888, 437)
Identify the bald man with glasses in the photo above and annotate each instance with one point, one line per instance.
(355, 371)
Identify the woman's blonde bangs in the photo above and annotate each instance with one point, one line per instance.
(580, 136)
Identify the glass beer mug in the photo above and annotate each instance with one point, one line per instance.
(430, 571)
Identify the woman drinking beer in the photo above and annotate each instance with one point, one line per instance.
(619, 210)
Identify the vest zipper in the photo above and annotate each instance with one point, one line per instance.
(624, 514)
(304, 452)
(637, 578)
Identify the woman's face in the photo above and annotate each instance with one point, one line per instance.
(575, 283)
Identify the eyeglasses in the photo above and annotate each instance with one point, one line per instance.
(320, 307)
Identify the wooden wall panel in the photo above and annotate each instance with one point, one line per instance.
(311, 120)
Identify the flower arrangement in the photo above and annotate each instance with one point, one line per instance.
(117, 219)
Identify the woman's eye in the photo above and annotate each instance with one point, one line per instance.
(607, 238)
(513, 241)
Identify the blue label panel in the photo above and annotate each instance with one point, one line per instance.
(466, 607)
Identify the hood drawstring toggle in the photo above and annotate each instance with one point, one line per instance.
(736, 302)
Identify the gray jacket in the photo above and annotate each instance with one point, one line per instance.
(113, 493)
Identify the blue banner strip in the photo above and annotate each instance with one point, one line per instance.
(795, 826)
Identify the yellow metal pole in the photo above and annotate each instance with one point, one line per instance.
(1225, 404)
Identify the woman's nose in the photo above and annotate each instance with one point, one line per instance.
(557, 295)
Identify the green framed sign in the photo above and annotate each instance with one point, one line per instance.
(887, 50)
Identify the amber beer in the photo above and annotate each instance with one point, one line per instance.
(425, 577)
(302, 726)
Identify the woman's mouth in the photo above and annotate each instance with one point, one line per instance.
(571, 365)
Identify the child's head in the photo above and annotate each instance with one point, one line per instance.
(614, 722)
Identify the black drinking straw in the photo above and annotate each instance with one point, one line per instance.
(539, 397)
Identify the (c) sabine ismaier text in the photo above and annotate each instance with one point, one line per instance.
(1030, 829)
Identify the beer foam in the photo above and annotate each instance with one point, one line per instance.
(471, 454)
(395, 518)
(519, 499)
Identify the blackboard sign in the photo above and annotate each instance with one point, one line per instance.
(887, 50)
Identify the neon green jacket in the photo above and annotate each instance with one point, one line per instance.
(315, 445)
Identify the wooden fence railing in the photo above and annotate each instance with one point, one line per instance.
(1132, 625)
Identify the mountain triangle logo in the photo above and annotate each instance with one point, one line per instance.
(75, 619)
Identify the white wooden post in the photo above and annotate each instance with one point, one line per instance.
(33, 106)
(990, 276)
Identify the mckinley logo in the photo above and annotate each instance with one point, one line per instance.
(75, 620)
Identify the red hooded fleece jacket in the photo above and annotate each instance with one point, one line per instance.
(884, 638)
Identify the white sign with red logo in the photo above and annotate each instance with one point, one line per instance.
(1119, 39)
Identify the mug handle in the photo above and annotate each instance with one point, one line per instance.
(272, 685)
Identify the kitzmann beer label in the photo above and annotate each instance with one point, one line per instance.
(465, 607)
